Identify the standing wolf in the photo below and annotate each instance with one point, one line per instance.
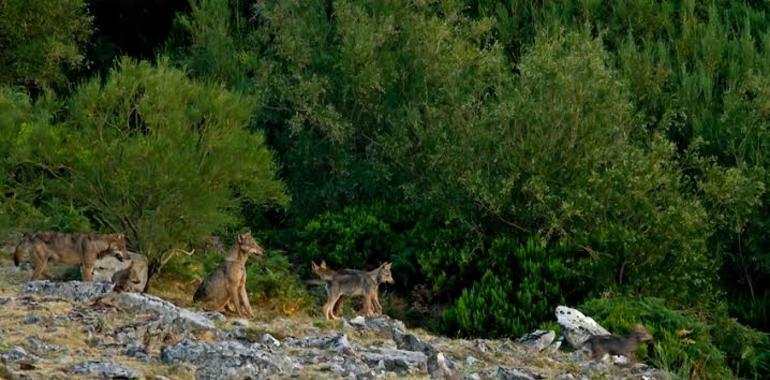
(354, 283)
(69, 248)
(227, 284)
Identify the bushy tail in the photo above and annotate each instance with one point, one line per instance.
(18, 253)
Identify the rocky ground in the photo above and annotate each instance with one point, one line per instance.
(78, 330)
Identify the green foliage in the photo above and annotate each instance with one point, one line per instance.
(485, 310)
(684, 344)
(498, 305)
(40, 40)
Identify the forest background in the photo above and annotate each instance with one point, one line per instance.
(507, 156)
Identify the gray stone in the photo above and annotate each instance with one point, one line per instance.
(104, 370)
(358, 321)
(227, 360)
(269, 340)
(395, 359)
(66, 359)
(439, 367)
(537, 340)
(31, 319)
(471, 361)
(106, 266)
(412, 343)
(137, 302)
(385, 324)
(576, 327)
(15, 355)
(71, 290)
(504, 373)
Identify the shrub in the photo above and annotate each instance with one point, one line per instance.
(520, 288)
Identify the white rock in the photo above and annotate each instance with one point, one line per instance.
(576, 327)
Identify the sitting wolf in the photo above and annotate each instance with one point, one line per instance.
(617, 345)
(354, 283)
(68, 248)
(227, 284)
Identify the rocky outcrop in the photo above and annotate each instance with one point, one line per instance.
(142, 302)
(121, 335)
(228, 359)
(576, 327)
(77, 291)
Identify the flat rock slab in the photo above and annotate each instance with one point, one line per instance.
(227, 359)
(537, 340)
(77, 291)
(104, 370)
(576, 327)
(395, 359)
(189, 320)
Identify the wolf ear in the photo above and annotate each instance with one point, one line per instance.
(313, 265)
(323, 264)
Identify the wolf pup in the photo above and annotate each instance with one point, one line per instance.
(69, 248)
(126, 280)
(617, 345)
(353, 283)
(227, 284)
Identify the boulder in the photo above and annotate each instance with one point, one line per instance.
(395, 359)
(537, 340)
(227, 359)
(440, 368)
(104, 370)
(77, 291)
(107, 266)
(576, 327)
(187, 319)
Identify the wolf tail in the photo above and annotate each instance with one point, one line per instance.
(200, 293)
(18, 253)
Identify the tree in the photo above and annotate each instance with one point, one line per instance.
(157, 156)
(40, 40)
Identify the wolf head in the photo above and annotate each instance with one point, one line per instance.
(117, 246)
(248, 245)
(640, 334)
(384, 274)
(323, 271)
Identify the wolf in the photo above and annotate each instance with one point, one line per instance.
(127, 280)
(226, 285)
(69, 248)
(617, 345)
(354, 283)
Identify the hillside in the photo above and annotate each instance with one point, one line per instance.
(59, 330)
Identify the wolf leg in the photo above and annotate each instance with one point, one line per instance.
(338, 308)
(245, 300)
(87, 272)
(39, 262)
(328, 308)
(232, 294)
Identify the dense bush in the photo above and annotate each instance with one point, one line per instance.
(499, 304)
